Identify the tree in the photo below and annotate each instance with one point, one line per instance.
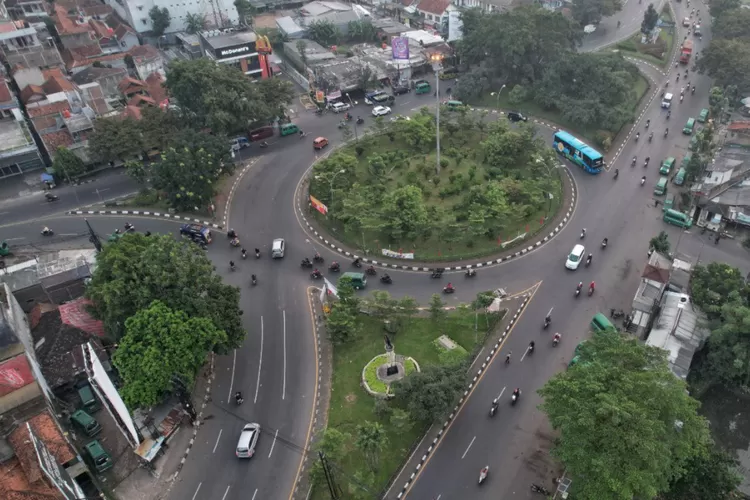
(195, 22)
(219, 97)
(382, 304)
(137, 170)
(245, 10)
(333, 446)
(324, 32)
(116, 139)
(302, 49)
(160, 20)
(711, 475)
(67, 164)
(371, 440)
(159, 345)
(650, 18)
(734, 23)
(660, 243)
(437, 307)
(712, 286)
(341, 325)
(407, 308)
(728, 359)
(361, 30)
(627, 427)
(137, 270)
(591, 11)
(404, 213)
(428, 395)
(719, 7)
(400, 420)
(727, 61)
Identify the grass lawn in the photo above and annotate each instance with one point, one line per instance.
(658, 53)
(351, 405)
(420, 171)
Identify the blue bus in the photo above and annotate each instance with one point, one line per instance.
(578, 152)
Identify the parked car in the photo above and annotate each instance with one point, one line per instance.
(515, 116)
(380, 110)
(340, 107)
(401, 89)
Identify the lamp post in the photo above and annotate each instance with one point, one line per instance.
(498, 95)
(437, 60)
(540, 161)
(333, 178)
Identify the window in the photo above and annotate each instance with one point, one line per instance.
(143, 20)
(140, 7)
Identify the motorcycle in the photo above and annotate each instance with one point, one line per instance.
(386, 279)
(360, 121)
(238, 401)
(235, 242)
(539, 489)
(483, 474)
(514, 398)
(637, 136)
(50, 197)
(448, 290)
(253, 280)
(48, 232)
(129, 228)
(334, 268)
(583, 234)
(316, 276)
(306, 264)
(591, 291)
(634, 162)
(666, 132)
(437, 274)
(555, 341)
(650, 137)
(357, 263)
(470, 273)
(317, 258)
(547, 322)
(578, 290)
(493, 407)
(616, 313)
(669, 113)
(604, 243)
(264, 144)
(643, 181)
(588, 261)
(232, 267)
(371, 271)
(617, 174)
(244, 253)
(257, 254)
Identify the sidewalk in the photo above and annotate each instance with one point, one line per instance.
(534, 241)
(143, 484)
(429, 443)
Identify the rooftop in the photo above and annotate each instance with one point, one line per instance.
(91, 74)
(221, 41)
(46, 430)
(434, 6)
(14, 135)
(46, 265)
(680, 330)
(6, 97)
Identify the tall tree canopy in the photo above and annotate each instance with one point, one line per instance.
(592, 11)
(136, 270)
(159, 345)
(627, 426)
(219, 97)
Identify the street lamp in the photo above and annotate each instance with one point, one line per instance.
(333, 178)
(540, 161)
(498, 95)
(437, 60)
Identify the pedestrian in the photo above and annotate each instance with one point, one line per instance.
(656, 203)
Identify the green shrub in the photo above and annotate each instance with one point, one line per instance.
(517, 95)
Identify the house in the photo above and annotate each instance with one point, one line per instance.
(147, 60)
(86, 24)
(135, 12)
(35, 84)
(18, 151)
(28, 44)
(434, 12)
(80, 58)
(108, 79)
(337, 13)
(141, 93)
(27, 9)
(723, 192)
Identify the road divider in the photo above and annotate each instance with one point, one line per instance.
(146, 213)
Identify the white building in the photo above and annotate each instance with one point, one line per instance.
(218, 13)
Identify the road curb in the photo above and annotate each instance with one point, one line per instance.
(332, 245)
(464, 397)
(144, 213)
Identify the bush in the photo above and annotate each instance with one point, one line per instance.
(444, 163)
(381, 408)
(603, 139)
(359, 150)
(517, 95)
(628, 45)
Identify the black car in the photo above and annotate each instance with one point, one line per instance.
(401, 89)
(196, 232)
(515, 116)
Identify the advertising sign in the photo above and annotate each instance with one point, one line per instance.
(318, 205)
(397, 255)
(14, 374)
(400, 47)
(57, 475)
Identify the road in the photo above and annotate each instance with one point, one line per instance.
(275, 368)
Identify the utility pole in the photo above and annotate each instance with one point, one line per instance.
(93, 238)
(333, 488)
(437, 60)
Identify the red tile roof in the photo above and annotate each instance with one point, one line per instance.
(739, 125)
(67, 25)
(139, 99)
(433, 6)
(15, 486)
(5, 94)
(101, 29)
(76, 314)
(57, 84)
(75, 59)
(30, 91)
(46, 430)
(48, 109)
(15, 373)
(141, 53)
(156, 89)
(129, 85)
(55, 140)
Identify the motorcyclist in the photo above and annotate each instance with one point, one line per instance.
(517, 392)
(470, 272)
(335, 265)
(238, 397)
(306, 262)
(588, 259)
(356, 262)
(117, 231)
(232, 234)
(645, 162)
(648, 122)
(643, 180)
(669, 113)
(583, 232)
(46, 230)
(371, 270)
(231, 265)
(244, 253)
(235, 242)
(316, 273)
(449, 286)
(637, 135)
(556, 338)
(617, 172)
(484, 472)
(386, 278)
(253, 279)
(548, 319)
(257, 252)
(635, 159)
(592, 285)
(531, 345)
(666, 131)
(128, 226)
(650, 136)
(692, 91)
(580, 285)
(605, 241)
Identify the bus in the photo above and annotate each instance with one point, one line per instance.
(578, 152)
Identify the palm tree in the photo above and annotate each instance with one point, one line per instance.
(302, 49)
(371, 440)
(195, 23)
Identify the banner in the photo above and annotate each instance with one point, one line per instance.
(317, 205)
(397, 255)
(400, 47)
(455, 26)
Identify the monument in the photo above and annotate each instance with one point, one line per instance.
(390, 352)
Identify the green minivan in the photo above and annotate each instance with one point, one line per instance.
(661, 186)
(686, 160)
(422, 88)
(454, 105)
(600, 323)
(98, 457)
(679, 179)
(703, 116)
(359, 281)
(289, 129)
(86, 423)
(668, 202)
(666, 165)
(677, 219)
(86, 393)
(689, 126)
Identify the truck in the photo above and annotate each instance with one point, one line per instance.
(685, 51)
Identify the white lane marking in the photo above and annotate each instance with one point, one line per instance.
(438, 498)
(68, 234)
(283, 385)
(468, 447)
(225, 493)
(217, 440)
(501, 393)
(477, 358)
(231, 379)
(274, 443)
(197, 490)
(255, 493)
(524, 354)
(260, 362)
(15, 239)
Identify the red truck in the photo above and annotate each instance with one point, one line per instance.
(687, 49)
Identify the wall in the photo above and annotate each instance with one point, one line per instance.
(76, 40)
(136, 12)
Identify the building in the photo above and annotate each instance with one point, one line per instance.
(218, 13)
(723, 192)
(681, 329)
(27, 9)
(434, 12)
(147, 60)
(143, 93)
(27, 44)
(314, 54)
(18, 151)
(89, 23)
(236, 49)
(108, 80)
(337, 13)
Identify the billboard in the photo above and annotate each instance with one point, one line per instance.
(455, 26)
(400, 47)
(14, 374)
(56, 474)
(318, 205)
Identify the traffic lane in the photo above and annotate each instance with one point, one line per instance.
(701, 248)
(105, 187)
(446, 469)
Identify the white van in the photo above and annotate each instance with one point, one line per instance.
(278, 247)
(666, 101)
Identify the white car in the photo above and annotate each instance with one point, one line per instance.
(248, 440)
(339, 107)
(380, 110)
(575, 257)
(686, 22)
